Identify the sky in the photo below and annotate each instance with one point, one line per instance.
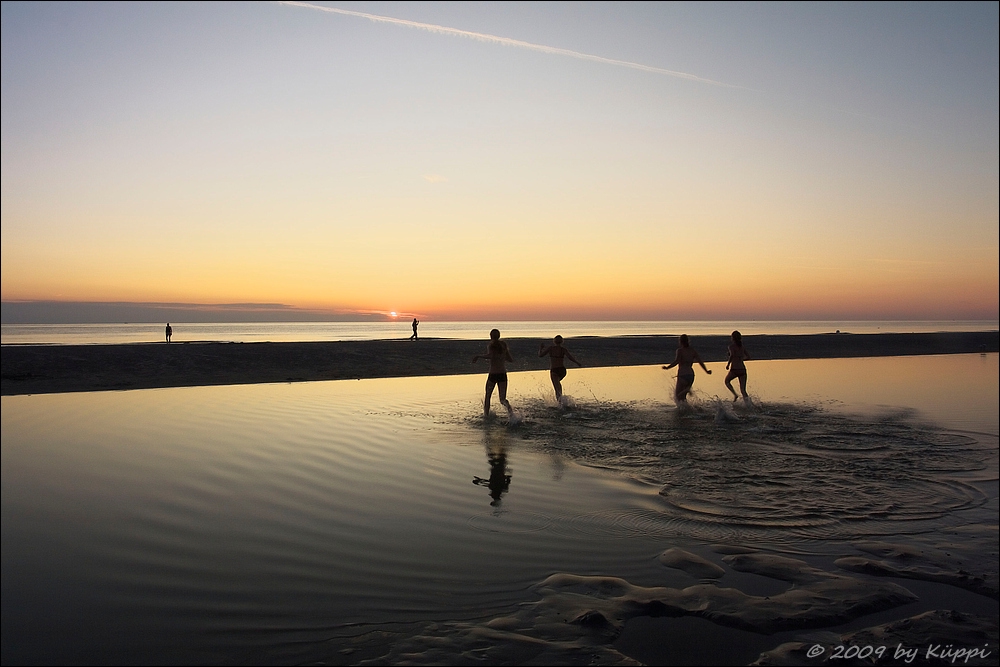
(505, 161)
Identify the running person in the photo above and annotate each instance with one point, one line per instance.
(557, 353)
(737, 369)
(499, 354)
(684, 359)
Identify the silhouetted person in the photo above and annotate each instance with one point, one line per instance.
(557, 353)
(499, 354)
(169, 332)
(684, 360)
(415, 323)
(737, 369)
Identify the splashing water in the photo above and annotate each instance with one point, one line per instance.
(567, 402)
(724, 414)
(789, 472)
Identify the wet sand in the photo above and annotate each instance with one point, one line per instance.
(44, 369)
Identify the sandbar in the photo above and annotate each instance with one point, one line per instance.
(44, 369)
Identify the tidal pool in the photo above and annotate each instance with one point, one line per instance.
(350, 521)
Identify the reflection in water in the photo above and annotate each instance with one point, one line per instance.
(498, 483)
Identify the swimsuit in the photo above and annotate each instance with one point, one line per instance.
(499, 378)
(558, 373)
(685, 380)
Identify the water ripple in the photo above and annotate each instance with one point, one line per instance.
(788, 470)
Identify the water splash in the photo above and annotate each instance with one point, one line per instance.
(790, 472)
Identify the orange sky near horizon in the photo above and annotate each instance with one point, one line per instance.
(346, 165)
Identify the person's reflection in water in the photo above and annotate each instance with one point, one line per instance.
(499, 481)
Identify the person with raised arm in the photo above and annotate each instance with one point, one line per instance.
(684, 359)
(558, 354)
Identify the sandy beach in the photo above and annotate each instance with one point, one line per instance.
(42, 369)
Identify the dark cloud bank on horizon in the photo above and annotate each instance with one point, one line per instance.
(115, 312)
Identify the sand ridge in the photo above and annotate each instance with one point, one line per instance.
(39, 369)
(577, 619)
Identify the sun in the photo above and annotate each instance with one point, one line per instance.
(393, 313)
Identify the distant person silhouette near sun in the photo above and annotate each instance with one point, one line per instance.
(169, 332)
(415, 323)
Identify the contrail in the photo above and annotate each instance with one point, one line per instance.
(506, 41)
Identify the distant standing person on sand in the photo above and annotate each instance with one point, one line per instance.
(499, 354)
(557, 353)
(415, 323)
(737, 369)
(169, 332)
(684, 359)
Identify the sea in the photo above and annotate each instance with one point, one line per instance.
(88, 334)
